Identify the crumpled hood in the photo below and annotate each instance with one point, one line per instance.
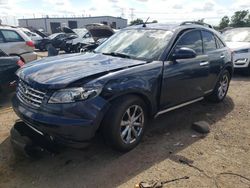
(238, 45)
(99, 31)
(59, 71)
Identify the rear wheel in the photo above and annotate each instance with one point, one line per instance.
(125, 122)
(221, 88)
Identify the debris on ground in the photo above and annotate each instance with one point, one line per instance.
(201, 127)
(157, 184)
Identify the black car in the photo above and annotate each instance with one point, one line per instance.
(88, 38)
(8, 67)
(140, 72)
(58, 40)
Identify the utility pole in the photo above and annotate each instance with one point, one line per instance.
(122, 14)
(132, 14)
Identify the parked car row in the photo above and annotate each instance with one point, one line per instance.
(73, 40)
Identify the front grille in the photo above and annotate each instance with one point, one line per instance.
(29, 95)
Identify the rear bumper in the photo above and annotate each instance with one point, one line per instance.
(30, 56)
(68, 124)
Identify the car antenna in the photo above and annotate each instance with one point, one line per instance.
(144, 24)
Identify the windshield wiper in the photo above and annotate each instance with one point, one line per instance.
(116, 54)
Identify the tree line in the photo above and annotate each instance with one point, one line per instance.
(239, 19)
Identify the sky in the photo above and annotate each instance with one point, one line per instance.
(161, 10)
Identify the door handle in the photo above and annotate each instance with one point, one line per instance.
(204, 63)
(222, 56)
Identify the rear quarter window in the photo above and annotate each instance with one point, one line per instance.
(11, 36)
(219, 43)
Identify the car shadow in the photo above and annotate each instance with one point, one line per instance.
(100, 166)
(5, 97)
(240, 76)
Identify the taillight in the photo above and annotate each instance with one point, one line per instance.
(30, 44)
(20, 63)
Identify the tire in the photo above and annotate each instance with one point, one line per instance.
(78, 48)
(46, 47)
(117, 129)
(67, 49)
(221, 88)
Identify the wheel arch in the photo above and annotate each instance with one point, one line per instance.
(146, 99)
(229, 68)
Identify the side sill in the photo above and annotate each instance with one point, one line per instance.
(178, 106)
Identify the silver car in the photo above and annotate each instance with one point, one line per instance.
(14, 42)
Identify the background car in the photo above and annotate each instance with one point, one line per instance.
(238, 40)
(8, 67)
(33, 36)
(14, 42)
(58, 40)
(89, 37)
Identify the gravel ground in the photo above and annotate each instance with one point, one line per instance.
(169, 150)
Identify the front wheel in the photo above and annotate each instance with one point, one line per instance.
(125, 122)
(221, 88)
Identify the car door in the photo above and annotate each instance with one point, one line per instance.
(216, 51)
(184, 79)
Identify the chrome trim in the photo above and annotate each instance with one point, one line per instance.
(204, 63)
(29, 98)
(29, 95)
(206, 92)
(32, 89)
(34, 129)
(22, 98)
(178, 106)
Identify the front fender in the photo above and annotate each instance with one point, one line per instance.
(143, 80)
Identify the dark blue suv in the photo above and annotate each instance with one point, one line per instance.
(140, 72)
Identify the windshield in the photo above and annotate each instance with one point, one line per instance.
(80, 32)
(237, 35)
(137, 44)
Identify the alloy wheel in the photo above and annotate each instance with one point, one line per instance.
(132, 124)
(222, 90)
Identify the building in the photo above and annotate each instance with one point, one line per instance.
(50, 25)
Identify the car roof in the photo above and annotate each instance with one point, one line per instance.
(173, 26)
(9, 27)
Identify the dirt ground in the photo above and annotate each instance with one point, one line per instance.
(169, 150)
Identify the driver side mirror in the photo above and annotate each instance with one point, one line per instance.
(184, 53)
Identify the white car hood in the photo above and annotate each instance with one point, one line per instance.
(238, 45)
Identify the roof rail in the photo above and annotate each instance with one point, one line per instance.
(198, 23)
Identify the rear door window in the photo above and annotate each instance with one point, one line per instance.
(191, 40)
(11, 36)
(208, 41)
